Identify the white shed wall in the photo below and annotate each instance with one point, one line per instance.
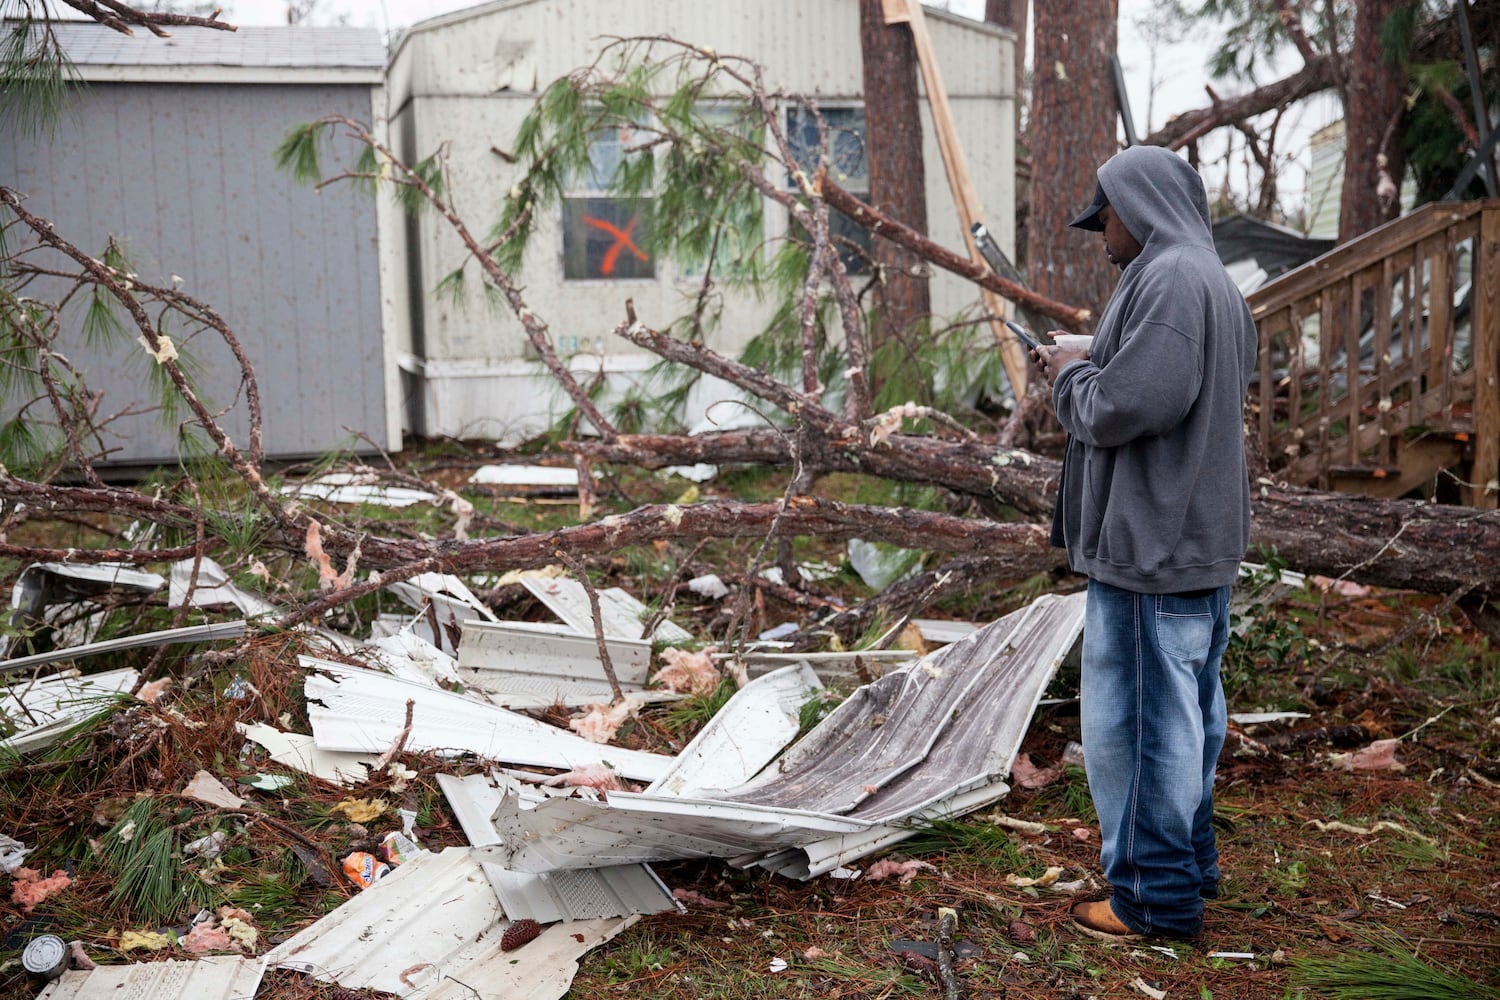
(467, 80)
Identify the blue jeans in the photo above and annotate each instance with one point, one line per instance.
(1153, 725)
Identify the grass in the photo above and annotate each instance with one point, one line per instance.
(1384, 969)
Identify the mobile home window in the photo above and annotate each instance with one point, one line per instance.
(847, 164)
(606, 237)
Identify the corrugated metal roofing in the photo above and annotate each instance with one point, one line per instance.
(915, 743)
(90, 44)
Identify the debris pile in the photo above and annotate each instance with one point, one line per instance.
(518, 724)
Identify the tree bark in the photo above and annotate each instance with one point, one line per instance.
(1072, 132)
(1399, 544)
(1011, 14)
(898, 186)
(1374, 104)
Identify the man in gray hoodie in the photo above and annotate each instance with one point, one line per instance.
(1154, 508)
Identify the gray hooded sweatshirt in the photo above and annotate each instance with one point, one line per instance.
(1155, 495)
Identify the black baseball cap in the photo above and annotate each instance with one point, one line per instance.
(1089, 217)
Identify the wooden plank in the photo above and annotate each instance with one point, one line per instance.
(1384, 344)
(1413, 350)
(1330, 332)
(1267, 389)
(1440, 318)
(1353, 377)
(1484, 478)
(1296, 364)
(960, 182)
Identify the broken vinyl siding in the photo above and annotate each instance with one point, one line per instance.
(361, 710)
(41, 711)
(213, 977)
(545, 660)
(623, 615)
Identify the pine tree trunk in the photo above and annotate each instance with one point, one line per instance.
(1373, 105)
(898, 186)
(1011, 14)
(1072, 131)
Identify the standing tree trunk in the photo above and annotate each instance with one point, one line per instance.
(898, 185)
(1012, 14)
(1072, 131)
(1372, 110)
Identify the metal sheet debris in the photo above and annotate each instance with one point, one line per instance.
(745, 735)
(213, 586)
(942, 631)
(55, 594)
(624, 616)
(361, 710)
(842, 667)
(907, 745)
(356, 488)
(432, 925)
(444, 603)
(580, 893)
(215, 977)
(43, 710)
(543, 477)
(301, 753)
(46, 583)
(535, 664)
(191, 633)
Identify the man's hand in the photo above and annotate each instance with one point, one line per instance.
(1051, 360)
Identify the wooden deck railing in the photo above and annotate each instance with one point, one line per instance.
(1380, 361)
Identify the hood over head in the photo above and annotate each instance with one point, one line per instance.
(1157, 195)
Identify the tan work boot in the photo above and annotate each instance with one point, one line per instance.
(1098, 920)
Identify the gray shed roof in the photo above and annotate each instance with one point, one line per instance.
(287, 54)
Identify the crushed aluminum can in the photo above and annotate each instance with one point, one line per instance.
(365, 869)
(397, 847)
(45, 956)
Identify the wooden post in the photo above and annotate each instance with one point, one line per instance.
(1012, 353)
(1485, 478)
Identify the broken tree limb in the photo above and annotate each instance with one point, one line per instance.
(1431, 548)
(1314, 77)
(121, 16)
(121, 289)
(605, 660)
(904, 236)
(537, 330)
(1008, 476)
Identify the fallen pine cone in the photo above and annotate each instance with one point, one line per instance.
(519, 933)
(920, 964)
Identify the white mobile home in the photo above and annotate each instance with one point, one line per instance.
(467, 79)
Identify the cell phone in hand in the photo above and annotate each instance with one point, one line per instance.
(1023, 333)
